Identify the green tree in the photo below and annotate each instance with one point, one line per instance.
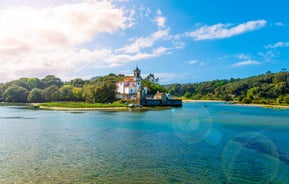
(78, 82)
(78, 94)
(35, 95)
(16, 93)
(52, 80)
(188, 95)
(286, 99)
(51, 93)
(101, 93)
(35, 83)
(65, 93)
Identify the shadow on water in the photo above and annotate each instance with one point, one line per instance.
(16, 117)
(255, 144)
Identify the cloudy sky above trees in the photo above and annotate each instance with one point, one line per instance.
(179, 40)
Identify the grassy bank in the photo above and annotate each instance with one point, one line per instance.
(80, 105)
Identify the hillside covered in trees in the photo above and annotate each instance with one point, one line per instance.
(269, 88)
(97, 90)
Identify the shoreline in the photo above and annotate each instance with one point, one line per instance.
(102, 108)
(82, 109)
(37, 106)
(188, 101)
(240, 104)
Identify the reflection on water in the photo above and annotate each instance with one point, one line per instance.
(217, 144)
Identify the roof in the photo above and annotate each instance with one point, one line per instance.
(129, 85)
(129, 79)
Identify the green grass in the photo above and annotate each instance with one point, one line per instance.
(81, 105)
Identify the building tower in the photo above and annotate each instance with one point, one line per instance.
(137, 78)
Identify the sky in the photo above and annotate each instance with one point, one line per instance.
(179, 41)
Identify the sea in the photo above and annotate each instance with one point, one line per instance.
(200, 142)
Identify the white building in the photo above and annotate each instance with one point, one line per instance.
(127, 88)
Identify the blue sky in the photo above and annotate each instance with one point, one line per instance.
(179, 41)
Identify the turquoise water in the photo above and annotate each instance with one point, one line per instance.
(198, 143)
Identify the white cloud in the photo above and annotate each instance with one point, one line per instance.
(66, 25)
(193, 62)
(277, 45)
(160, 20)
(269, 55)
(219, 31)
(245, 63)
(243, 56)
(38, 42)
(144, 42)
(196, 62)
(144, 11)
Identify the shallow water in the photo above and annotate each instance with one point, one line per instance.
(198, 143)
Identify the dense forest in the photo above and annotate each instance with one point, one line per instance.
(269, 88)
(51, 88)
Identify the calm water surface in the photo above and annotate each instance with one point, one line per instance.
(199, 143)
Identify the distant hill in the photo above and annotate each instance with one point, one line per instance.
(94, 78)
(269, 88)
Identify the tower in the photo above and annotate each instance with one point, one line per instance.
(137, 78)
(136, 72)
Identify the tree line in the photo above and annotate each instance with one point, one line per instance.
(50, 88)
(269, 88)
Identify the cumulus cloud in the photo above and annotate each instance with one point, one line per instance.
(219, 31)
(38, 42)
(43, 41)
(245, 63)
(277, 45)
(68, 25)
(144, 42)
(160, 19)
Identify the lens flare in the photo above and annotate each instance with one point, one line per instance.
(192, 126)
(250, 156)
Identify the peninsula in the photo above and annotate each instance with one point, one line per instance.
(119, 91)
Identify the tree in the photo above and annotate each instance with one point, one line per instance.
(16, 93)
(286, 99)
(52, 80)
(188, 95)
(51, 93)
(153, 88)
(65, 93)
(35, 95)
(78, 94)
(100, 93)
(78, 82)
(35, 83)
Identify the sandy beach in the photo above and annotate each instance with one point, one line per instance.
(187, 101)
(236, 103)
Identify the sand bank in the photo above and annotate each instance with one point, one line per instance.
(236, 103)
